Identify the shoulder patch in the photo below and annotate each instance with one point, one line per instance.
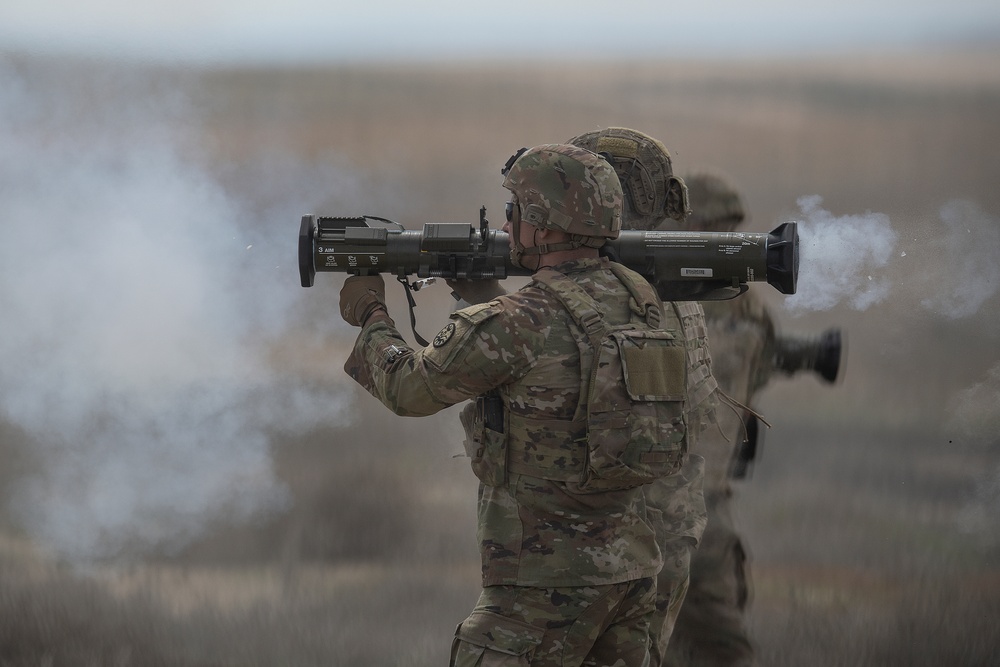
(479, 312)
(443, 336)
(459, 334)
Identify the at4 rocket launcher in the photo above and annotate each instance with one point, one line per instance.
(683, 266)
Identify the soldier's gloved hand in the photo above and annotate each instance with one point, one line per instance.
(361, 297)
(476, 291)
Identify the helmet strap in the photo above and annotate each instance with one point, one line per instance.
(519, 252)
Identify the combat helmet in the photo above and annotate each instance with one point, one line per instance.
(558, 186)
(716, 206)
(652, 193)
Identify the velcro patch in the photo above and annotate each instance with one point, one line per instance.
(655, 370)
(618, 146)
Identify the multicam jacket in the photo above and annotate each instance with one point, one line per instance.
(532, 531)
(676, 505)
(742, 336)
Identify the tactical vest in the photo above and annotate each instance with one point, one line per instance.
(702, 387)
(628, 428)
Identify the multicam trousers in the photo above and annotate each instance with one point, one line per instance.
(676, 509)
(711, 628)
(520, 626)
(672, 586)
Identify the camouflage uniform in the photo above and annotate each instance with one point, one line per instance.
(711, 628)
(533, 532)
(568, 575)
(655, 198)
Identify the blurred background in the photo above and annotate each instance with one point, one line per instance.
(187, 477)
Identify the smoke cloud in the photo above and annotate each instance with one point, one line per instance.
(841, 259)
(138, 306)
(975, 424)
(968, 254)
(974, 414)
(949, 267)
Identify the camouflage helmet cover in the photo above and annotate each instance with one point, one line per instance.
(716, 206)
(565, 187)
(652, 192)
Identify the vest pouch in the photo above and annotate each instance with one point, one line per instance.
(636, 427)
(485, 444)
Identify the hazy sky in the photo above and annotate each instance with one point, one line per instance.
(235, 30)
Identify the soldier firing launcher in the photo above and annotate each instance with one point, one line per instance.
(820, 354)
(789, 354)
(684, 266)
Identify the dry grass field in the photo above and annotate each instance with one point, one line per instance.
(871, 517)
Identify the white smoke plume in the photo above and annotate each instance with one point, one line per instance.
(841, 259)
(136, 302)
(967, 252)
(975, 425)
(975, 412)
